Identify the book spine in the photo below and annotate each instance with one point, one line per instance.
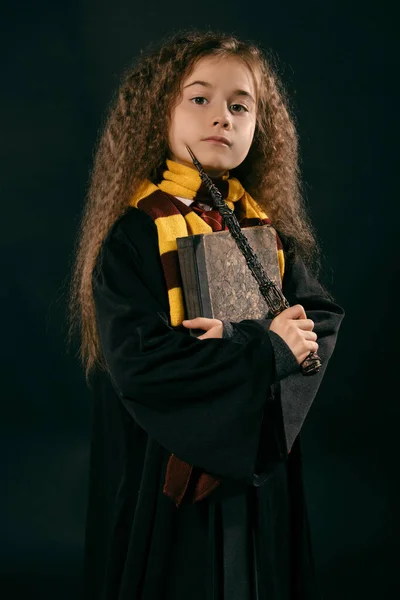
(189, 275)
(203, 272)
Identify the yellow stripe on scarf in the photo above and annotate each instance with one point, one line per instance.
(181, 180)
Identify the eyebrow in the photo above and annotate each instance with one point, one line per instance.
(235, 93)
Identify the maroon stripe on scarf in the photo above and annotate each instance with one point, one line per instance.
(203, 195)
(161, 204)
(156, 205)
(170, 264)
(183, 208)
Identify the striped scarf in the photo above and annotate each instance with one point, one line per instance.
(175, 219)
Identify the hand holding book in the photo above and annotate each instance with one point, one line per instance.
(291, 325)
(213, 327)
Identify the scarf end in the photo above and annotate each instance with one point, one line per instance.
(177, 478)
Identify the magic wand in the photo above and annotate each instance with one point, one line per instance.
(271, 293)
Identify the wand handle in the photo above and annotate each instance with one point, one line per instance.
(271, 293)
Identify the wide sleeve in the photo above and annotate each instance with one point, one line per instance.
(200, 399)
(293, 393)
(297, 392)
(240, 333)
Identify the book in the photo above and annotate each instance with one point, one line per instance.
(216, 280)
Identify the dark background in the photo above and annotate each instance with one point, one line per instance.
(61, 64)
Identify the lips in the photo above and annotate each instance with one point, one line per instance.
(217, 138)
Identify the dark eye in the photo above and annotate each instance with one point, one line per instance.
(199, 98)
(240, 107)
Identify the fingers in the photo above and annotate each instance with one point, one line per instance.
(295, 312)
(214, 332)
(213, 327)
(200, 323)
(296, 330)
(305, 324)
(313, 346)
(309, 335)
(311, 338)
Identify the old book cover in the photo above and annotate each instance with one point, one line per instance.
(217, 283)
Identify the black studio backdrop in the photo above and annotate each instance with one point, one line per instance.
(61, 64)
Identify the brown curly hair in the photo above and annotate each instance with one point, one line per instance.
(131, 149)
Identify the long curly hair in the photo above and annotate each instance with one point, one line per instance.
(133, 146)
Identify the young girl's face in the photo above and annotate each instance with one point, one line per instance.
(218, 98)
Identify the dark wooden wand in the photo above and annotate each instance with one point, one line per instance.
(272, 294)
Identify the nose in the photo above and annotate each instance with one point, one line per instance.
(227, 125)
(224, 119)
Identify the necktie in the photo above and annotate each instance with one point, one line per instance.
(211, 217)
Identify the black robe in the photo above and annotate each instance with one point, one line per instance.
(216, 404)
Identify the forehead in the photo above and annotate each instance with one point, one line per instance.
(231, 72)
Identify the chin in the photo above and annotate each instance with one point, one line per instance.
(213, 163)
(216, 170)
(210, 159)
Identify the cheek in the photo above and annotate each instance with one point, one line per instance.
(173, 132)
(178, 122)
(251, 130)
(252, 125)
(247, 132)
(183, 127)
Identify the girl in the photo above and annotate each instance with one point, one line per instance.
(195, 485)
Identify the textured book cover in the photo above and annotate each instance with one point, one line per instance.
(217, 283)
